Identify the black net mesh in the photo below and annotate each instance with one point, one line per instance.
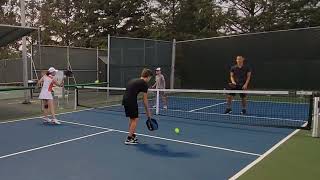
(263, 108)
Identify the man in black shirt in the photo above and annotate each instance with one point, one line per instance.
(134, 87)
(240, 76)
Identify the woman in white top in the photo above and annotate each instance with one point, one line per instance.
(48, 82)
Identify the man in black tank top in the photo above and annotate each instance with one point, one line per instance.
(129, 101)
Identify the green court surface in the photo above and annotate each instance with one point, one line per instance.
(297, 158)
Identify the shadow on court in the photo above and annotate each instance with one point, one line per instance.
(163, 150)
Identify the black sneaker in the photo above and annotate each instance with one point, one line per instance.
(244, 111)
(131, 141)
(134, 136)
(228, 111)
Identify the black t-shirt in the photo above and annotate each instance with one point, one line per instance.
(240, 74)
(134, 87)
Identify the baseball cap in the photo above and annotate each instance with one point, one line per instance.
(158, 69)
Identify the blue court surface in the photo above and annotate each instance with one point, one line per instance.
(90, 145)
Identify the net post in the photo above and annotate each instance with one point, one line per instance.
(68, 64)
(31, 60)
(173, 62)
(39, 47)
(308, 127)
(108, 64)
(76, 99)
(97, 68)
(316, 128)
(24, 54)
(158, 102)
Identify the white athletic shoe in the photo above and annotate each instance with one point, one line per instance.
(55, 121)
(47, 120)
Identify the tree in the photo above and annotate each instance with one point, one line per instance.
(87, 23)
(209, 19)
(165, 20)
(123, 17)
(244, 15)
(33, 18)
(264, 15)
(300, 13)
(57, 19)
(8, 15)
(188, 19)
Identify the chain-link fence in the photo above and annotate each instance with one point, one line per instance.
(11, 71)
(128, 56)
(85, 63)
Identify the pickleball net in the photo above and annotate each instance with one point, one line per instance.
(263, 108)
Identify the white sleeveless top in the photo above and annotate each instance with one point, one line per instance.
(46, 88)
(160, 82)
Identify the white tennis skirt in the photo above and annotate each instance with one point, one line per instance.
(45, 95)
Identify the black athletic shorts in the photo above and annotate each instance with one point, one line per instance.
(238, 87)
(131, 110)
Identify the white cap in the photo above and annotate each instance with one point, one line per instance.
(52, 69)
(158, 69)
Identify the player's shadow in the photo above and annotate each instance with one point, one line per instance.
(163, 150)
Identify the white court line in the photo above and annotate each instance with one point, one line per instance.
(167, 139)
(249, 166)
(207, 107)
(37, 117)
(54, 144)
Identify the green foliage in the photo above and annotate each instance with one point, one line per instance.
(87, 23)
(264, 15)
(187, 19)
(8, 16)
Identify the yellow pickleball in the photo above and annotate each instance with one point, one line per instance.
(177, 130)
(96, 81)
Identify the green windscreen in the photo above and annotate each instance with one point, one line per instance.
(279, 60)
